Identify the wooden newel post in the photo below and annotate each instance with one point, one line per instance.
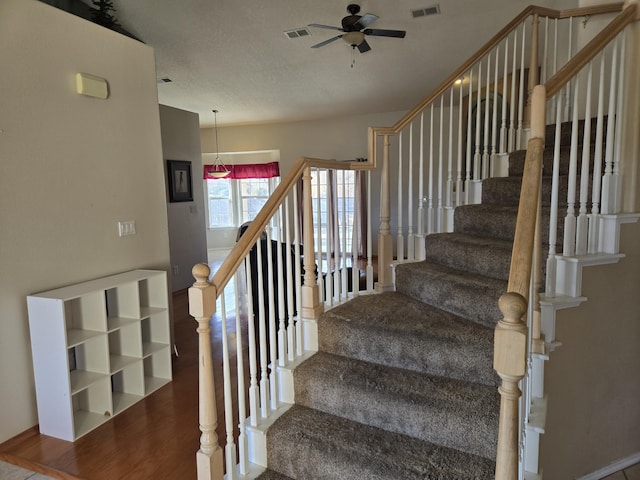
(509, 361)
(385, 241)
(202, 305)
(312, 308)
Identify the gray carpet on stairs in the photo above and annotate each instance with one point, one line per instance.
(403, 385)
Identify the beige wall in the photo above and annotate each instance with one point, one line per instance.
(343, 138)
(187, 237)
(593, 379)
(71, 167)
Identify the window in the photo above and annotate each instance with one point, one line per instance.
(220, 203)
(233, 202)
(322, 202)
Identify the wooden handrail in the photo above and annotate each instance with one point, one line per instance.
(593, 48)
(497, 38)
(257, 226)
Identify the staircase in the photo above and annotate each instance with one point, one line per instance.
(403, 385)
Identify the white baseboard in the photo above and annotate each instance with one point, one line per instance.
(613, 468)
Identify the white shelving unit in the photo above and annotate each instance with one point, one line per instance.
(98, 347)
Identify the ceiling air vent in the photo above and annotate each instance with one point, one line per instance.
(423, 12)
(164, 80)
(297, 33)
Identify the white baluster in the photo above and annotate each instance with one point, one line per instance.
(514, 108)
(430, 210)
(282, 333)
(439, 211)
(272, 330)
(328, 280)
(477, 159)
(582, 225)
(355, 231)
(421, 227)
(607, 180)
(243, 448)
(411, 240)
(569, 246)
(494, 118)
(458, 185)
(230, 447)
(448, 203)
(254, 390)
(370, 282)
(567, 90)
(298, 273)
(399, 235)
(336, 253)
(503, 124)
(487, 109)
(291, 339)
(617, 193)
(519, 131)
(318, 243)
(594, 229)
(262, 329)
(467, 182)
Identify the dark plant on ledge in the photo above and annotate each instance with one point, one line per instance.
(102, 14)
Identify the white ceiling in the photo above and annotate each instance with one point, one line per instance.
(232, 55)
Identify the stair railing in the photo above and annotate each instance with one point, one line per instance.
(284, 271)
(462, 132)
(591, 154)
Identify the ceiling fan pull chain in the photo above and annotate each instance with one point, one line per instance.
(353, 55)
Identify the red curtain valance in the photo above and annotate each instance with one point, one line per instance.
(252, 170)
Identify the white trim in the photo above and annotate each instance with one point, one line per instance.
(613, 467)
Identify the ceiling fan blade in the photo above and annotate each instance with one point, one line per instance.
(328, 27)
(385, 33)
(366, 20)
(326, 42)
(364, 47)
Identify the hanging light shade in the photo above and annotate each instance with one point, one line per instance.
(219, 169)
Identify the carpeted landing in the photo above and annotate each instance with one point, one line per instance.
(403, 386)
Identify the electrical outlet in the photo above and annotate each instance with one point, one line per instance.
(127, 228)
(175, 270)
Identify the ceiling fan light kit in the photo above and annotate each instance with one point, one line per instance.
(354, 28)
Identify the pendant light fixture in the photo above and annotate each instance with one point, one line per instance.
(219, 169)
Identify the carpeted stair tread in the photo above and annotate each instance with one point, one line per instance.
(319, 446)
(486, 256)
(469, 295)
(398, 331)
(451, 413)
(271, 475)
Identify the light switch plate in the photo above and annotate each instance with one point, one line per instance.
(127, 228)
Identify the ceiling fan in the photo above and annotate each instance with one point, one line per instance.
(355, 28)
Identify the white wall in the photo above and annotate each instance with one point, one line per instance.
(187, 237)
(71, 167)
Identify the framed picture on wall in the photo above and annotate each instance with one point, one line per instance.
(180, 184)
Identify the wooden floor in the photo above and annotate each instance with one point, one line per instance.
(155, 439)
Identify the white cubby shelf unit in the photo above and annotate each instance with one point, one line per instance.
(98, 347)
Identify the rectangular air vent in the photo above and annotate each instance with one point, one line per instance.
(297, 33)
(423, 12)
(164, 80)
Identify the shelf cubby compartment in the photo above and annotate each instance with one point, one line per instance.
(127, 386)
(125, 346)
(157, 370)
(151, 294)
(91, 407)
(123, 302)
(85, 317)
(88, 363)
(155, 332)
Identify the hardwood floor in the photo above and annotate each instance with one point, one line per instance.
(156, 438)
